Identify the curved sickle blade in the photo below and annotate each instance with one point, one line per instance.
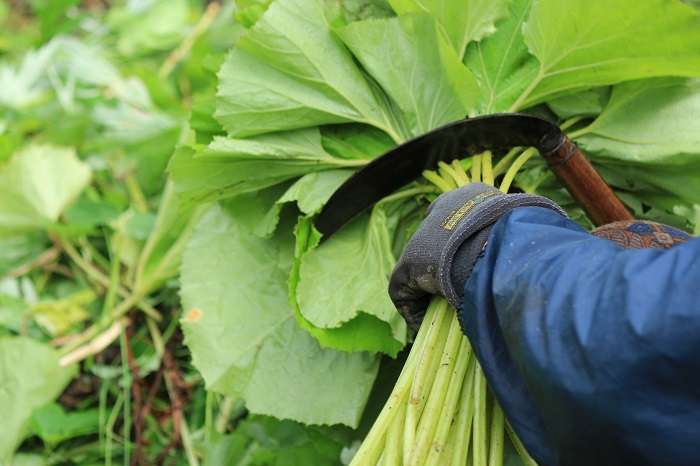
(404, 163)
(465, 138)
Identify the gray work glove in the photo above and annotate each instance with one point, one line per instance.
(443, 251)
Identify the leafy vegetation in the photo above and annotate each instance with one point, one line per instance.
(95, 98)
(163, 298)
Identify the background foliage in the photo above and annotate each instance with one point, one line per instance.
(161, 162)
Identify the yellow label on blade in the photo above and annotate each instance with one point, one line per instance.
(455, 216)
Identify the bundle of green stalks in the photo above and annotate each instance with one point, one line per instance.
(441, 411)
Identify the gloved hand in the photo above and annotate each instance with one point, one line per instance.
(443, 251)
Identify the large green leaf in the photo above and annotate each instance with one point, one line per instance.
(242, 331)
(310, 193)
(30, 376)
(312, 190)
(263, 440)
(354, 141)
(648, 122)
(416, 67)
(585, 43)
(348, 274)
(647, 133)
(400, 76)
(53, 424)
(501, 62)
(228, 167)
(588, 103)
(667, 195)
(37, 185)
(291, 72)
(461, 22)
(355, 329)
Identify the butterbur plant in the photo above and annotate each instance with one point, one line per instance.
(314, 89)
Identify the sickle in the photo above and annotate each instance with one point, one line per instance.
(404, 163)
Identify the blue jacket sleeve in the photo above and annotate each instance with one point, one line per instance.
(592, 351)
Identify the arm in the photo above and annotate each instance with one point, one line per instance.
(592, 351)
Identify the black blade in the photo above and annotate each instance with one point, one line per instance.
(404, 163)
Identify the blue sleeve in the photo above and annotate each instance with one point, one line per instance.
(592, 351)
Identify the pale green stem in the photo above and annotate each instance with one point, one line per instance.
(449, 412)
(487, 168)
(437, 181)
(225, 410)
(109, 429)
(570, 122)
(433, 344)
(426, 363)
(112, 287)
(93, 255)
(187, 443)
(396, 137)
(102, 407)
(138, 199)
(186, 45)
(437, 396)
(95, 274)
(467, 163)
(393, 450)
(506, 160)
(387, 127)
(156, 336)
(208, 416)
(515, 167)
(373, 443)
(146, 308)
(127, 380)
(457, 165)
(581, 132)
(447, 177)
(350, 163)
(518, 104)
(497, 436)
(409, 430)
(476, 168)
(480, 440)
(465, 416)
(422, 387)
(456, 177)
(90, 270)
(519, 447)
(409, 193)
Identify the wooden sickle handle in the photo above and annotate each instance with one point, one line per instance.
(585, 184)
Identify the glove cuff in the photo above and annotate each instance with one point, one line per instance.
(465, 257)
(483, 211)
